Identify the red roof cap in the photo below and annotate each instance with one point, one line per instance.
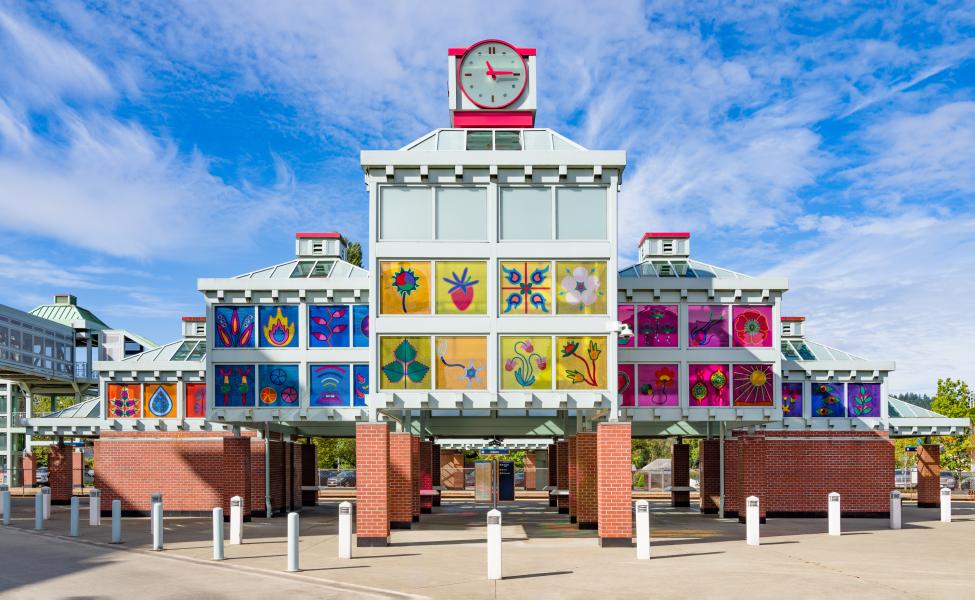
(664, 234)
(332, 235)
(194, 319)
(463, 51)
(799, 319)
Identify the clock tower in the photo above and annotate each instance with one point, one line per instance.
(492, 84)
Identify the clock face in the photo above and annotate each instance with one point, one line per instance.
(492, 74)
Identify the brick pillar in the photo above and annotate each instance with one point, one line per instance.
(452, 470)
(928, 476)
(374, 473)
(28, 468)
(614, 460)
(752, 476)
(236, 479)
(415, 476)
(553, 470)
(309, 470)
(710, 461)
(529, 470)
(78, 469)
(400, 480)
(680, 474)
(587, 503)
(287, 471)
(435, 470)
(562, 476)
(573, 499)
(296, 475)
(59, 470)
(426, 476)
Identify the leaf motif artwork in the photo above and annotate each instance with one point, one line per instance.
(196, 400)
(863, 399)
(124, 401)
(234, 326)
(405, 362)
(405, 287)
(581, 362)
(360, 384)
(826, 399)
(328, 326)
(526, 362)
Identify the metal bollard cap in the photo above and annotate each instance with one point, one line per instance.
(45, 490)
(94, 493)
(945, 491)
(236, 501)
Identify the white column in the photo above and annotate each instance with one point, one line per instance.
(46, 502)
(834, 513)
(94, 507)
(494, 544)
(345, 530)
(39, 512)
(895, 510)
(293, 542)
(642, 530)
(945, 505)
(218, 533)
(5, 504)
(116, 521)
(157, 526)
(3, 489)
(75, 516)
(236, 520)
(155, 498)
(752, 521)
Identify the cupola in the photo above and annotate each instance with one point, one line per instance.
(665, 245)
(327, 244)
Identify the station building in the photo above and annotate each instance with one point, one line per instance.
(493, 307)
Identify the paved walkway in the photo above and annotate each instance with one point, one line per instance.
(544, 556)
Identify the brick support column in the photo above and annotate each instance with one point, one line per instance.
(78, 469)
(435, 470)
(415, 477)
(928, 476)
(59, 472)
(236, 479)
(752, 474)
(587, 485)
(529, 470)
(400, 480)
(28, 466)
(680, 474)
(562, 476)
(452, 470)
(372, 492)
(426, 476)
(309, 469)
(296, 461)
(710, 461)
(573, 494)
(614, 458)
(553, 471)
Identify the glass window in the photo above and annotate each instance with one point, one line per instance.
(462, 214)
(526, 362)
(405, 287)
(405, 213)
(753, 385)
(461, 363)
(707, 326)
(827, 400)
(581, 213)
(656, 326)
(183, 351)
(581, 363)
(791, 399)
(302, 269)
(451, 140)
(199, 352)
(526, 287)
(526, 213)
(461, 287)
(582, 287)
(507, 140)
(751, 326)
(708, 385)
(405, 362)
(479, 139)
(537, 139)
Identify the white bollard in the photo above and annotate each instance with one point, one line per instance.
(3, 509)
(116, 521)
(642, 530)
(752, 521)
(94, 508)
(46, 502)
(155, 498)
(345, 530)
(293, 542)
(834, 514)
(494, 544)
(75, 516)
(5, 503)
(945, 505)
(157, 526)
(39, 512)
(895, 510)
(236, 520)
(218, 533)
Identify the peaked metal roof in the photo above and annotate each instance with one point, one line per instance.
(303, 268)
(900, 408)
(81, 410)
(499, 138)
(687, 268)
(189, 350)
(66, 314)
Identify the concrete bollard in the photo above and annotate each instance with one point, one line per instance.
(345, 530)
(293, 542)
(46, 502)
(218, 533)
(157, 526)
(39, 512)
(642, 530)
(752, 521)
(834, 513)
(945, 505)
(155, 498)
(236, 520)
(3, 509)
(116, 521)
(94, 508)
(895, 510)
(494, 544)
(75, 516)
(5, 503)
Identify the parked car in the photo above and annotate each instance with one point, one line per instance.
(468, 478)
(967, 484)
(905, 478)
(345, 479)
(40, 476)
(948, 480)
(519, 479)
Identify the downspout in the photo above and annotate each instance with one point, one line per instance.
(721, 469)
(267, 471)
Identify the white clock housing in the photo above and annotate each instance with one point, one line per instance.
(492, 84)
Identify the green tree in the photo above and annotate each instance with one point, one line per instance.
(648, 450)
(335, 453)
(957, 400)
(353, 254)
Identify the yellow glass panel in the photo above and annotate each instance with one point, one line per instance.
(160, 401)
(526, 287)
(405, 362)
(462, 287)
(581, 287)
(526, 362)
(404, 287)
(581, 363)
(461, 363)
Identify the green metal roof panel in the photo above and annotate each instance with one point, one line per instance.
(66, 314)
(899, 408)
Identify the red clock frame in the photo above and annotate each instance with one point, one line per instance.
(524, 83)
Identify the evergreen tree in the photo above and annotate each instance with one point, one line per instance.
(957, 400)
(353, 254)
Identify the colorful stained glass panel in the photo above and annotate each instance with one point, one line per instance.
(160, 401)
(328, 326)
(360, 384)
(656, 326)
(196, 400)
(235, 385)
(792, 399)
(330, 384)
(581, 287)
(234, 326)
(526, 287)
(753, 385)
(526, 362)
(708, 385)
(657, 385)
(124, 400)
(707, 326)
(461, 363)
(360, 322)
(826, 400)
(863, 399)
(462, 287)
(278, 385)
(626, 314)
(278, 326)
(405, 363)
(404, 287)
(751, 326)
(581, 363)
(626, 384)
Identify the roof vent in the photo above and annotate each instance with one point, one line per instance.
(668, 245)
(792, 327)
(320, 244)
(66, 299)
(194, 327)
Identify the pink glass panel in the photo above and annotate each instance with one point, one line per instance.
(751, 326)
(707, 326)
(657, 385)
(625, 314)
(656, 326)
(626, 384)
(709, 386)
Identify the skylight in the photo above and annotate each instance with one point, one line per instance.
(312, 268)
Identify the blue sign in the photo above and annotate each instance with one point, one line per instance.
(495, 451)
(910, 449)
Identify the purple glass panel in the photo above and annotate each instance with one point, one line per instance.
(707, 326)
(657, 385)
(792, 399)
(827, 400)
(708, 385)
(753, 385)
(626, 384)
(863, 399)
(656, 326)
(625, 314)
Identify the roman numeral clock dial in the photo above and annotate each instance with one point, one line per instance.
(492, 74)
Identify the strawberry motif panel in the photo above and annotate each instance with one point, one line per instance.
(461, 287)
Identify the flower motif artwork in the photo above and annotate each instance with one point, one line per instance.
(708, 385)
(863, 399)
(657, 385)
(360, 384)
(826, 400)
(235, 385)
(753, 385)
(751, 326)
(581, 362)
(328, 326)
(526, 287)
(405, 362)
(196, 400)
(626, 313)
(404, 287)
(124, 400)
(626, 384)
(656, 326)
(278, 385)
(461, 363)
(526, 362)
(792, 399)
(707, 326)
(461, 287)
(329, 385)
(235, 326)
(360, 325)
(582, 287)
(160, 401)
(279, 326)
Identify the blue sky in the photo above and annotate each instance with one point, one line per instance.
(145, 145)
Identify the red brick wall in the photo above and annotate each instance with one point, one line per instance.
(731, 495)
(615, 483)
(278, 476)
(530, 470)
(573, 493)
(710, 478)
(373, 475)
(562, 476)
(452, 469)
(435, 465)
(426, 475)
(78, 469)
(928, 476)
(587, 488)
(59, 469)
(400, 479)
(753, 474)
(27, 465)
(235, 474)
(680, 474)
(553, 464)
(415, 475)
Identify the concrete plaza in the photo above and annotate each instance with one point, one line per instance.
(443, 556)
